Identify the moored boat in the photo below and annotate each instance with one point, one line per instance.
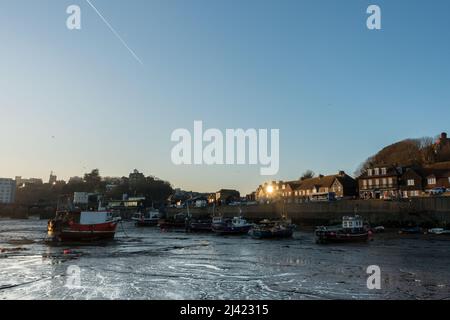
(146, 219)
(77, 225)
(351, 230)
(439, 231)
(200, 225)
(410, 230)
(230, 226)
(267, 229)
(178, 221)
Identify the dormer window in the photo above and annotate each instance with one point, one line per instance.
(383, 171)
(432, 180)
(411, 182)
(377, 171)
(369, 172)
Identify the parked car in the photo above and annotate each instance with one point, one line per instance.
(437, 191)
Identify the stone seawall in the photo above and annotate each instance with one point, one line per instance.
(423, 211)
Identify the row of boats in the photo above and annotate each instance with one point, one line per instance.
(77, 225)
(221, 225)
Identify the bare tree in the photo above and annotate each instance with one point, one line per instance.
(308, 174)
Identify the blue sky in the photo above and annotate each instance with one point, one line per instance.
(71, 101)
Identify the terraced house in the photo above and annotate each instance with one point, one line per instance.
(404, 182)
(319, 188)
(380, 183)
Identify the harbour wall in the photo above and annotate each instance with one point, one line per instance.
(420, 211)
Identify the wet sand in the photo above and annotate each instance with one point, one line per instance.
(145, 263)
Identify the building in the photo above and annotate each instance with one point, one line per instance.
(341, 185)
(403, 182)
(20, 182)
(297, 191)
(381, 182)
(436, 176)
(269, 191)
(412, 183)
(225, 196)
(7, 191)
(52, 179)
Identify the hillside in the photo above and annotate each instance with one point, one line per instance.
(411, 152)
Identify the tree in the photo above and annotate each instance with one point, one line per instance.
(308, 174)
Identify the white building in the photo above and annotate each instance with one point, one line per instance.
(7, 190)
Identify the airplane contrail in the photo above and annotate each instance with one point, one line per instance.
(115, 32)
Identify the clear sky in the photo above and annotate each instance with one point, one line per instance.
(71, 101)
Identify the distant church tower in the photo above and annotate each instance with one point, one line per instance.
(52, 178)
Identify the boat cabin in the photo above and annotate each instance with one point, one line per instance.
(355, 222)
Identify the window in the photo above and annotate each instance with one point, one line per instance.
(283, 187)
(432, 180)
(365, 184)
(384, 181)
(391, 182)
(369, 172)
(383, 171)
(377, 171)
(370, 183)
(377, 182)
(411, 182)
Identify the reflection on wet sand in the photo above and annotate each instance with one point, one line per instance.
(149, 264)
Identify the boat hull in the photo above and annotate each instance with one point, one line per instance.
(81, 233)
(341, 237)
(146, 223)
(230, 230)
(200, 227)
(269, 234)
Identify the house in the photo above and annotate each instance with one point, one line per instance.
(341, 184)
(269, 191)
(412, 183)
(344, 186)
(288, 190)
(225, 196)
(437, 176)
(381, 182)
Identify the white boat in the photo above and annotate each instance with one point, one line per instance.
(146, 219)
(438, 231)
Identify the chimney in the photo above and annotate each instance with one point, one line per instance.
(341, 173)
(321, 176)
(444, 135)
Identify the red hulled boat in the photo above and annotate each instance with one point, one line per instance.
(77, 225)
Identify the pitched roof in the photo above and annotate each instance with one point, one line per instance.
(321, 182)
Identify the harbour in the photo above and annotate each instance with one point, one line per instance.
(148, 264)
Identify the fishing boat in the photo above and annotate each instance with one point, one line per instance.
(410, 230)
(439, 231)
(201, 225)
(351, 230)
(267, 229)
(78, 226)
(146, 219)
(230, 226)
(178, 221)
